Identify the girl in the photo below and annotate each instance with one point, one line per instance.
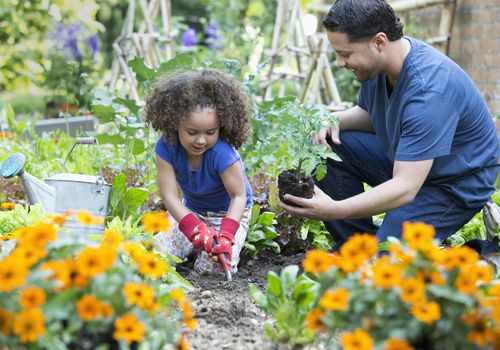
(204, 117)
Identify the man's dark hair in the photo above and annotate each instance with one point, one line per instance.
(362, 19)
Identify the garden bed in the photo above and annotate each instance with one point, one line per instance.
(227, 317)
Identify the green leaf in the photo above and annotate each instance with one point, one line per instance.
(255, 235)
(179, 62)
(144, 73)
(289, 276)
(117, 190)
(133, 200)
(258, 297)
(266, 218)
(138, 147)
(130, 104)
(254, 214)
(273, 284)
(104, 113)
(115, 139)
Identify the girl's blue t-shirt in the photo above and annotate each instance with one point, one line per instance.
(202, 188)
(436, 112)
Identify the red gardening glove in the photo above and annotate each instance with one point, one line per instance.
(225, 239)
(197, 232)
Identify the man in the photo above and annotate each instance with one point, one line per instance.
(420, 135)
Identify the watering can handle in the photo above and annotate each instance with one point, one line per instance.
(86, 141)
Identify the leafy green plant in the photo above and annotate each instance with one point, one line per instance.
(314, 231)
(125, 202)
(282, 136)
(288, 300)
(20, 216)
(261, 232)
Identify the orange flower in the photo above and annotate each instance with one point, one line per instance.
(29, 325)
(426, 311)
(106, 310)
(397, 344)
(412, 290)
(483, 273)
(135, 250)
(177, 294)
(188, 314)
(89, 307)
(417, 234)
(32, 297)
(466, 282)
(457, 257)
(156, 222)
(129, 329)
(57, 219)
(13, 273)
(40, 234)
(313, 320)
(433, 277)
(93, 261)
(151, 265)
(337, 299)
(7, 135)
(183, 343)
(60, 270)
(85, 217)
(6, 322)
(140, 294)
(317, 261)
(481, 335)
(112, 238)
(359, 339)
(396, 251)
(8, 206)
(30, 254)
(385, 274)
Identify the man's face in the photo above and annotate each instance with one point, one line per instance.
(362, 58)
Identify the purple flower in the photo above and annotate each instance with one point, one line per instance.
(213, 36)
(94, 43)
(189, 37)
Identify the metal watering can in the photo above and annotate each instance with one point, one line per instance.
(64, 192)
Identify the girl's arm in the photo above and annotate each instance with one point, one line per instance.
(169, 190)
(232, 178)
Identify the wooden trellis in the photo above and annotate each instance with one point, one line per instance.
(441, 41)
(292, 51)
(154, 44)
(319, 84)
(299, 59)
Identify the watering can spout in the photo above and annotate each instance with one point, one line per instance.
(37, 191)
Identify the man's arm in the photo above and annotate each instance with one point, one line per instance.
(408, 178)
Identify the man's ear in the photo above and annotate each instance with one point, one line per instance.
(380, 41)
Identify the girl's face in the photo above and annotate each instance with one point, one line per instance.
(199, 131)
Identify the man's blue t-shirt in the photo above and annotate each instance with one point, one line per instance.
(202, 188)
(436, 112)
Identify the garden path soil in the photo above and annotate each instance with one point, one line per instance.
(227, 317)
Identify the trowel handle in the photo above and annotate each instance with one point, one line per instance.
(86, 141)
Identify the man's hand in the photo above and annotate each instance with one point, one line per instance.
(319, 207)
(320, 137)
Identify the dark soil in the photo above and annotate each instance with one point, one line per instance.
(287, 183)
(227, 317)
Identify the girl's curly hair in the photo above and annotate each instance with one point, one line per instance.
(175, 95)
